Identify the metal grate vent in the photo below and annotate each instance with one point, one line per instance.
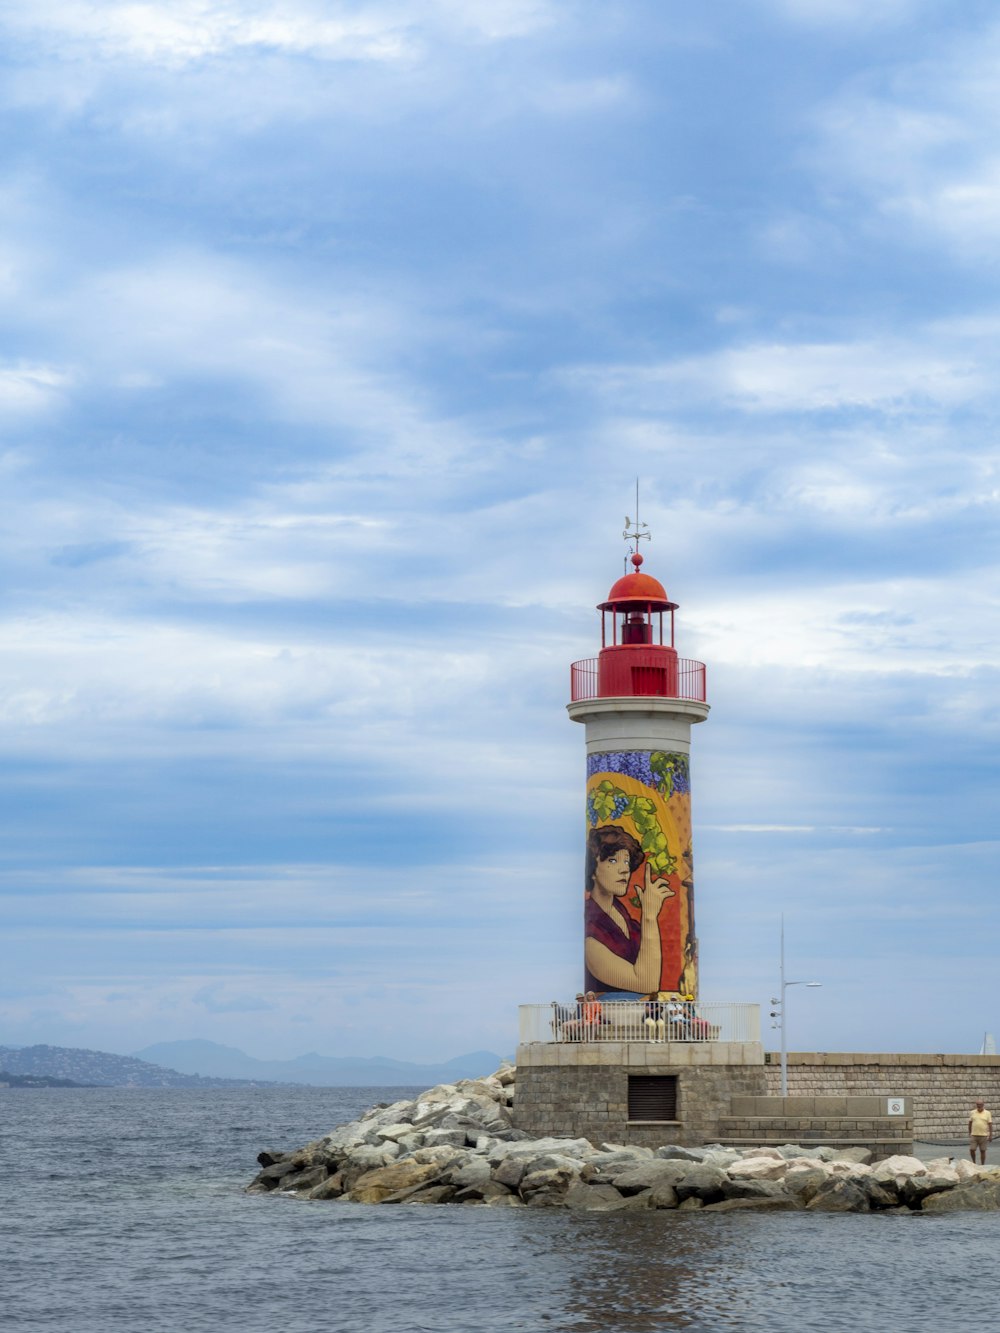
(652, 1097)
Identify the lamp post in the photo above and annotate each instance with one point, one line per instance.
(780, 1013)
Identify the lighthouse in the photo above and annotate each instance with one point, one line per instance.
(653, 1062)
(638, 701)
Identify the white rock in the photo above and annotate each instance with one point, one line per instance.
(757, 1168)
(476, 1171)
(369, 1156)
(443, 1154)
(849, 1170)
(808, 1164)
(898, 1168)
(578, 1148)
(394, 1132)
(723, 1158)
(966, 1170)
(388, 1115)
(856, 1171)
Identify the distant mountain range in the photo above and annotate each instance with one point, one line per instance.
(205, 1064)
(325, 1071)
(100, 1068)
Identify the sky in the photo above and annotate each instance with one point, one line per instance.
(333, 338)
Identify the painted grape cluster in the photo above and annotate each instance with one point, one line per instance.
(607, 803)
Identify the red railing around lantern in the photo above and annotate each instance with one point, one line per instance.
(690, 681)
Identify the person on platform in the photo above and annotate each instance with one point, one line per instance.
(655, 1021)
(589, 1017)
(570, 1020)
(621, 954)
(593, 1016)
(980, 1131)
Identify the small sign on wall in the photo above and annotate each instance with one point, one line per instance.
(895, 1106)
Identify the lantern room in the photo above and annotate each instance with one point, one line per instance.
(638, 656)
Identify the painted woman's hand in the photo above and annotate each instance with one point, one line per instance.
(654, 894)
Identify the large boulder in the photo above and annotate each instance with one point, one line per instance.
(546, 1188)
(632, 1179)
(837, 1195)
(330, 1188)
(861, 1155)
(897, 1169)
(370, 1155)
(758, 1168)
(755, 1189)
(510, 1171)
(982, 1195)
(398, 1132)
(528, 1148)
(701, 1182)
(594, 1198)
(444, 1155)
(481, 1192)
(663, 1195)
(915, 1189)
(803, 1183)
(474, 1171)
(673, 1150)
(432, 1194)
(445, 1137)
(272, 1175)
(879, 1195)
(375, 1186)
(304, 1181)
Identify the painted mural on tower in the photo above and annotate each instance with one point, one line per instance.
(638, 886)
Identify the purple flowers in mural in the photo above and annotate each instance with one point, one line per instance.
(665, 773)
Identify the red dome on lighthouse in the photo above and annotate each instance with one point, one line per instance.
(638, 589)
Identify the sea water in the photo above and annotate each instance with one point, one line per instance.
(123, 1211)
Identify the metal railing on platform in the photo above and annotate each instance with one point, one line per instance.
(640, 1020)
(689, 682)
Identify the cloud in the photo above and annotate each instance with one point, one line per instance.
(915, 139)
(887, 376)
(193, 30)
(848, 13)
(217, 1002)
(31, 388)
(189, 32)
(332, 333)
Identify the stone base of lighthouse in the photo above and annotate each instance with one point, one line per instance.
(650, 1094)
(645, 1093)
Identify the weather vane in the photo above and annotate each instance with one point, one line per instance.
(635, 532)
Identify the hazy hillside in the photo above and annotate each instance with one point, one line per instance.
(210, 1058)
(100, 1067)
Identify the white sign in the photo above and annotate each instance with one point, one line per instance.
(896, 1106)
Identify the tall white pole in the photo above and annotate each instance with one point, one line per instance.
(783, 1010)
(784, 1047)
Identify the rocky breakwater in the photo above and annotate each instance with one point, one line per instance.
(456, 1144)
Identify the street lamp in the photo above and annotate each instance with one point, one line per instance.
(779, 1013)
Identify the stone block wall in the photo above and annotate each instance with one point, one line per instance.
(581, 1090)
(941, 1088)
(842, 1122)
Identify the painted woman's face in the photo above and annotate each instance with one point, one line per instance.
(612, 875)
